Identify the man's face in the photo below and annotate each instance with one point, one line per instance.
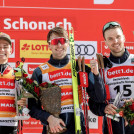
(5, 51)
(59, 51)
(115, 39)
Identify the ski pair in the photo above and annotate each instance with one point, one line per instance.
(83, 77)
(74, 84)
(84, 80)
(102, 73)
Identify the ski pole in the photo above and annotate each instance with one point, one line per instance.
(107, 90)
(81, 77)
(85, 78)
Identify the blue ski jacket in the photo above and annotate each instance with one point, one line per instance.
(95, 91)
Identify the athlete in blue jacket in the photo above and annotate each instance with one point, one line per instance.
(59, 61)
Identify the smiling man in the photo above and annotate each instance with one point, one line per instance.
(118, 78)
(7, 88)
(5, 48)
(58, 70)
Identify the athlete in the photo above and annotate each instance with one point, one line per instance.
(55, 70)
(7, 89)
(119, 77)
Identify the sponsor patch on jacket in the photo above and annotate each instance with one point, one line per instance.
(44, 67)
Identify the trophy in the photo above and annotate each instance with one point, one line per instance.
(117, 104)
(51, 102)
(21, 111)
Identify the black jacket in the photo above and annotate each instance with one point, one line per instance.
(98, 108)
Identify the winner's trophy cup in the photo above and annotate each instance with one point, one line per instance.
(117, 104)
(21, 111)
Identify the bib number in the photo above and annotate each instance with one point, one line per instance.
(126, 88)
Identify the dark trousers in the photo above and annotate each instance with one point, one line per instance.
(129, 129)
(117, 127)
(8, 130)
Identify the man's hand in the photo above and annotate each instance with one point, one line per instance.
(22, 102)
(94, 66)
(55, 124)
(130, 100)
(110, 109)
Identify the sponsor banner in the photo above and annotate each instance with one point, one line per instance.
(58, 74)
(68, 108)
(62, 82)
(83, 79)
(27, 23)
(32, 126)
(7, 83)
(88, 49)
(34, 49)
(106, 51)
(66, 94)
(65, 4)
(31, 122)
(7, 92)
(31, 68)
(8, 122)
(93, 120)
(120, 71)
(12, 55)
(7, 105)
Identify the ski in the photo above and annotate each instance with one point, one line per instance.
(74, 84)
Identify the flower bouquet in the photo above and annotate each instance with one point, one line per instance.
(50, 96)
(25, 88)
(30, 88)
(20, 74)
(127, 111)
(48, 93)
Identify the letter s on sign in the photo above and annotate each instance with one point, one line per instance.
(103, 1)
(8, 25)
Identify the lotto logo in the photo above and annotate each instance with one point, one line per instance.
(103, 1)
(34, 49)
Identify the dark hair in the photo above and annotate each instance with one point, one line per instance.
(59, 31)
(111, 25)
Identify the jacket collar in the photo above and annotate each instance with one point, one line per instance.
(58, 63)
(119, 60)
(3, 67)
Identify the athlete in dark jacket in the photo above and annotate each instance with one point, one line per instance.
(58, 64)
(116, 77)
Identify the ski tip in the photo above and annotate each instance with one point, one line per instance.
(71, 31)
